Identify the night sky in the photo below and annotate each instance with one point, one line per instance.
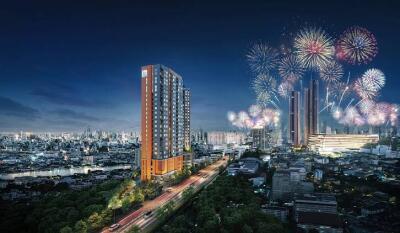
(67, 65)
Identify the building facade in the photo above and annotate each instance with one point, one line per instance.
(186, 119)
(294, 118)
(311, 110)
(223, 138)
(162, 122)
(261, 138)
(329, 143)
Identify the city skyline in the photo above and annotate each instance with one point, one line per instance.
(95, 82)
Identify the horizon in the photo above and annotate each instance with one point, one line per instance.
(69, 66)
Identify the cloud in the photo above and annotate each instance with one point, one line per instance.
(72, 115)
(9, 107)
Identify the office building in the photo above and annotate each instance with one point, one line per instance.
(311, 110)
(162, 121)
(294, 120)
(328, 143)
(186, 119)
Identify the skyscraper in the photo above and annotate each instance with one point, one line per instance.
(162, 121)
(294, 119)
(311, 110)
(186, 118)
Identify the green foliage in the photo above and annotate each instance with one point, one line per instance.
(178, 177)
(165, 210)
(369, 145)
(83, 211)
(66, 230)
(188, 193)
(134, 229)
(80, 227)
(228, 205)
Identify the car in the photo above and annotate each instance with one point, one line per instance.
(205, 176)
(148, 214)
(114, 227)
(168, 190)
(199, 174)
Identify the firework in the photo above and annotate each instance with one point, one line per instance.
(262, 58)
(231, 116)
(366, 106)
(374, 78)
(290, 68)
(284, 89)
(313, 47)
(337, 113)
(258, 120)
(254, 110)
(393, 115)
(339, 90)
(351, 116)
(331, 72)
(264, 85)
(379, 114)
(364, 89)
(356, 45)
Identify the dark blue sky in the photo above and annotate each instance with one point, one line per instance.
(66, 65)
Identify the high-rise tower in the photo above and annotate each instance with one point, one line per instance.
(311, 109)
(186, 119)
(294, 118)
(162, 120)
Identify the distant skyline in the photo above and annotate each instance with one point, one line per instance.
(66, 66)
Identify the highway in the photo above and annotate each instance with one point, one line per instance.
(147, 223)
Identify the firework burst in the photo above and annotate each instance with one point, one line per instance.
(313, 47)
(262, 58)
(337, 112)
(339, 90)
(331, 72)
(255, 120)
(356, 45)
(364, 89)
(264, 86)
(284, 89)
(366, 106)
(254, 110)
(351, 116)
(290, 68)
(374, 78)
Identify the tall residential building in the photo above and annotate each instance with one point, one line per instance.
(294, 118)
(186, 119)
(162, 122)
(261, 138)
(223, 138)
(311, 110)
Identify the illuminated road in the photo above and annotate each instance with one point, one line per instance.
(138, 218)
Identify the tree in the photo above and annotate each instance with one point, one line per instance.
(95, 221)
(66, 229)
(134, 229)
(247, 229)
(80, 227)
(188, 193)
(165, 210)
(126, 204)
